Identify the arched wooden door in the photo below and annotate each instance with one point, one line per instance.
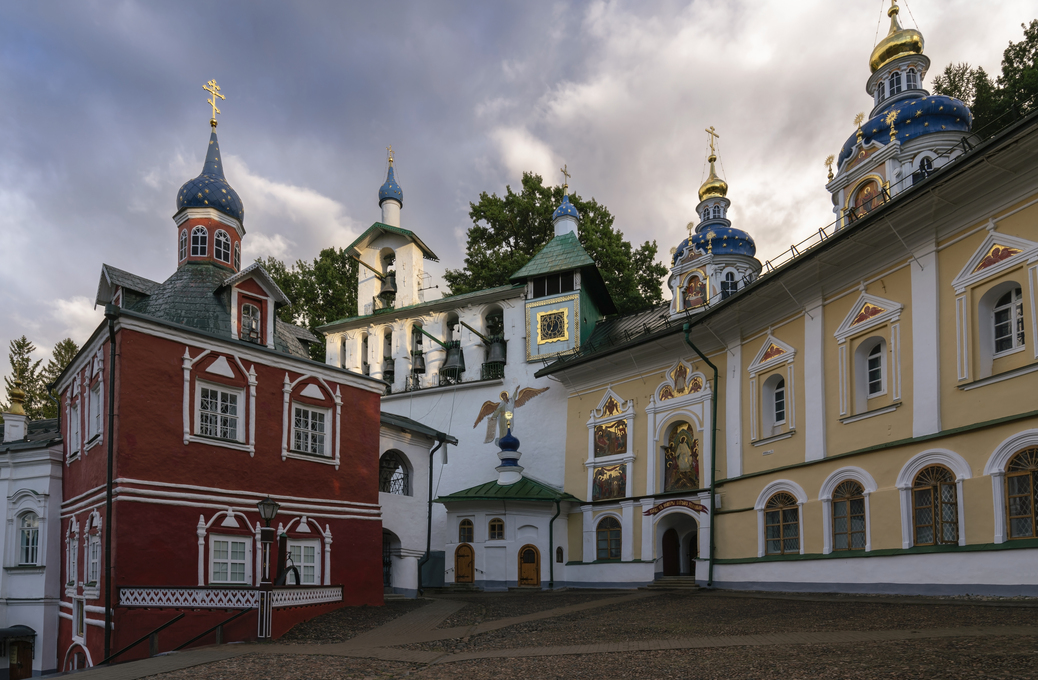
(671, 553)
(20, 657)
(529, 566)
(463, 571)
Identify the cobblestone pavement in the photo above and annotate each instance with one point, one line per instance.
(621, 634)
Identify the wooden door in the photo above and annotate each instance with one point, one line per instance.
(463, 571)
(529, 566)
(20, 655)
(671, 553)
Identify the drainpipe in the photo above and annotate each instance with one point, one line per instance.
(551, 546)
(111, 313)
(441, 439)
(713, 452)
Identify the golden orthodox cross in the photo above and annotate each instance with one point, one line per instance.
(212, 88)
(566, 175)
(389, 149)
(710, 131)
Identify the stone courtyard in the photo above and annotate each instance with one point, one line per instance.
(640, 634)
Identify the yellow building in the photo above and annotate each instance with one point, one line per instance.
(862, 414)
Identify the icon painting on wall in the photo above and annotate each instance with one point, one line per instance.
(681, 456)
(694, 293)
(611, 439)
(609, 482)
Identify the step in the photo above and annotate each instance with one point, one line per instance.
(673, 583)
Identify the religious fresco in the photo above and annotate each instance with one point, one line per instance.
(609, 482)
(996, 255)
(611, 439)
(681, 460)
(693, 292)
(772, 352)
(868, 310)
(611, 408)
(682, 385)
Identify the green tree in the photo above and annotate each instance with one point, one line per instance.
(20, 358)
(321, 291)
(63, 354)
(508, 230)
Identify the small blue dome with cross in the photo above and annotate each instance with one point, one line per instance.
(565, 208)
(211, 189)
(390, 189)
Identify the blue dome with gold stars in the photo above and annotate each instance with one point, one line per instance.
(211, 189)
(565, 208)
(390, 189)
(718, 238)
(915, 118)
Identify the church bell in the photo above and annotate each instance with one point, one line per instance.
(388, 290)
(455, 363)
(497, 351)
(417, 362)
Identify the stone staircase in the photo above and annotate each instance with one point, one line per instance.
(673, 583)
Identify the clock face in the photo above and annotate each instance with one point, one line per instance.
(551, 326)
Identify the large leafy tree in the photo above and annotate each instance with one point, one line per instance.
(1011, 96)
(508, 230)
(321, 291)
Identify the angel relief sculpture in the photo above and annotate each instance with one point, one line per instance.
(500, 412)
(681, 458)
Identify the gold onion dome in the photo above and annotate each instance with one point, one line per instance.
(713, 186)
(898, 43)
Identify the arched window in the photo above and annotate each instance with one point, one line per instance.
(717, 212)
(222, 246)
(183, 245)
(874, 370)
(250, 323)
(782, 525)
(706, 214)
(496, 530)
(465, 531)
(607, 536)
(199, 242)
(1021, 487)
(558, 555)
(895, 83)
(1008, 323)
(911, 79)
(29, 539)
(237, 256)
(849, 516)
(393, 475)
(926, 166)
(881, 92)
(729, 285)
(935, 507)
(773, 408)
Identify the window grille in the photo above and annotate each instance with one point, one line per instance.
(875, 370)
(1009, 322)
(304, 558)
(849, 516)
(465, 531)
(251, 319)
(393, 476)
(895, 83)
(183, 245)
(218, 414)
(780, 401)
(1021, 486)
(782, 525)
(228, 561)
(308, 436)
(911, 79)
(935, 507)
(222, 246)
(496, 530)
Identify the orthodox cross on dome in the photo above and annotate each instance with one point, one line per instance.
(690, 226)
(389, 150)
(212, 88)
(710, 131)
(890, 119)
(565, 181)
(857, 121)
(829, 164)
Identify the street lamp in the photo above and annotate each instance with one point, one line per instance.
(268, 510)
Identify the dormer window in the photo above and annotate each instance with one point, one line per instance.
(199, 242)
(222, 246)
(183, 245)
(250, 324)
(895, 83)
(912, 79)
(553, 284)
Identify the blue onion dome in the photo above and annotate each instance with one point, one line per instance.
(509, 442)
(720, 239)
(390, 189)
(565, 208)
(915, 118)
(679, 252)
(211, 189)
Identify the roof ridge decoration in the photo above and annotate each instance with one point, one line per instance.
(997, 253)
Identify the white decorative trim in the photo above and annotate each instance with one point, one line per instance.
(895, 356)
(844, 382)
(949, 459)
(299, 597)
(814, 382)
(190, 598)
(996, 468)
(779, 437)
(758, 365)
(288, 386)
(1032, 288)
(968, 277)
(848, 329)
(925, 343)
(762, 500)
(870, 414)
(733, 412)
(692, 407)
(597, 418)
(220, 367)
(825, 494)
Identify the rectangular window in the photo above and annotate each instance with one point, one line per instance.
(94, 422)
(303, 556)
(780, 403)
(875, 374)
(229, 559)
(79, 617)
(29, 540)
(73, 561)
(94, 564)
(308, 430)
(218, 413)
(73, 430)
(553, 284)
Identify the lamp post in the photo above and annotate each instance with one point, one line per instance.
(268, 510)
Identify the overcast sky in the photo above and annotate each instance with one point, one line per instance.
(103, 117)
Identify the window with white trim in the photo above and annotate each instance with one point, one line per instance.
(848, 508)
(1021, 493)
(229, 559)
(237, 256)
(308, 429)
(94, 419)
(1008, 322)
(729, 285)
(93, 557)
(29, 539)
(218, 413)
(72, 564)
(881, 92)
(717, 212)
(895, 83)
(222, 246)
(773, 406)
(73, 430)
(306, 557)
(251, 323)
(199, 242)
(79, 617)
(935, 508)
(496, 530)
(912, 79)
(782, 525)
(183, 245)
(608, 536)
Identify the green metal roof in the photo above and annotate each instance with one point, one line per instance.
(525, 489)
(446, 299)
(562, 253)
(369, 234)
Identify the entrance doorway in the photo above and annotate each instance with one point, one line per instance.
(20, 656)
(529, 566)
(671, 553)
(463, 567)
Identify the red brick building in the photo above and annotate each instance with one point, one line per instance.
(205, 405)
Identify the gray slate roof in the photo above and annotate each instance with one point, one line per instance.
(41, 433)
(560, 254)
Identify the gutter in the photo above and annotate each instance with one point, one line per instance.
(441, 439)
(713, 452)
(551, 544)
(111, 314)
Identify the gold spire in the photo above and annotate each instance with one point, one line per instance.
(389, 150)
(565, 182)
(829, 164)
(898, 43)
(17, 395)
(212, 88)
(714, 185)
(858, 121)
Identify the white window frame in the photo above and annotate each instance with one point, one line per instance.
(72, 556)
(770, 490)
(302, 545)
(326, 433)
(222, 243)
(911, 79)
(237, 256)
(34, 533)
(259, 321)
(79, 619)
(881, 92)
(895, 83)
(199, 245)
(239, 392)
(95, 417)
(182, 252)
(75, 443)
(1016, 316)
(229, 538)
(769, 409)
(876, 353)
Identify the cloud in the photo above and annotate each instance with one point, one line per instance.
(520, 151)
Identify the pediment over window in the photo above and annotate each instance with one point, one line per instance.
(681, 381)
(868, 312)
(612, 404)
(995, 255)
(771, 353)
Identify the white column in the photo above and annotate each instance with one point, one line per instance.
(647, 543)
(627, 531)
(589, 534)
(733, 411)
(814, 382)
(926, 364)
